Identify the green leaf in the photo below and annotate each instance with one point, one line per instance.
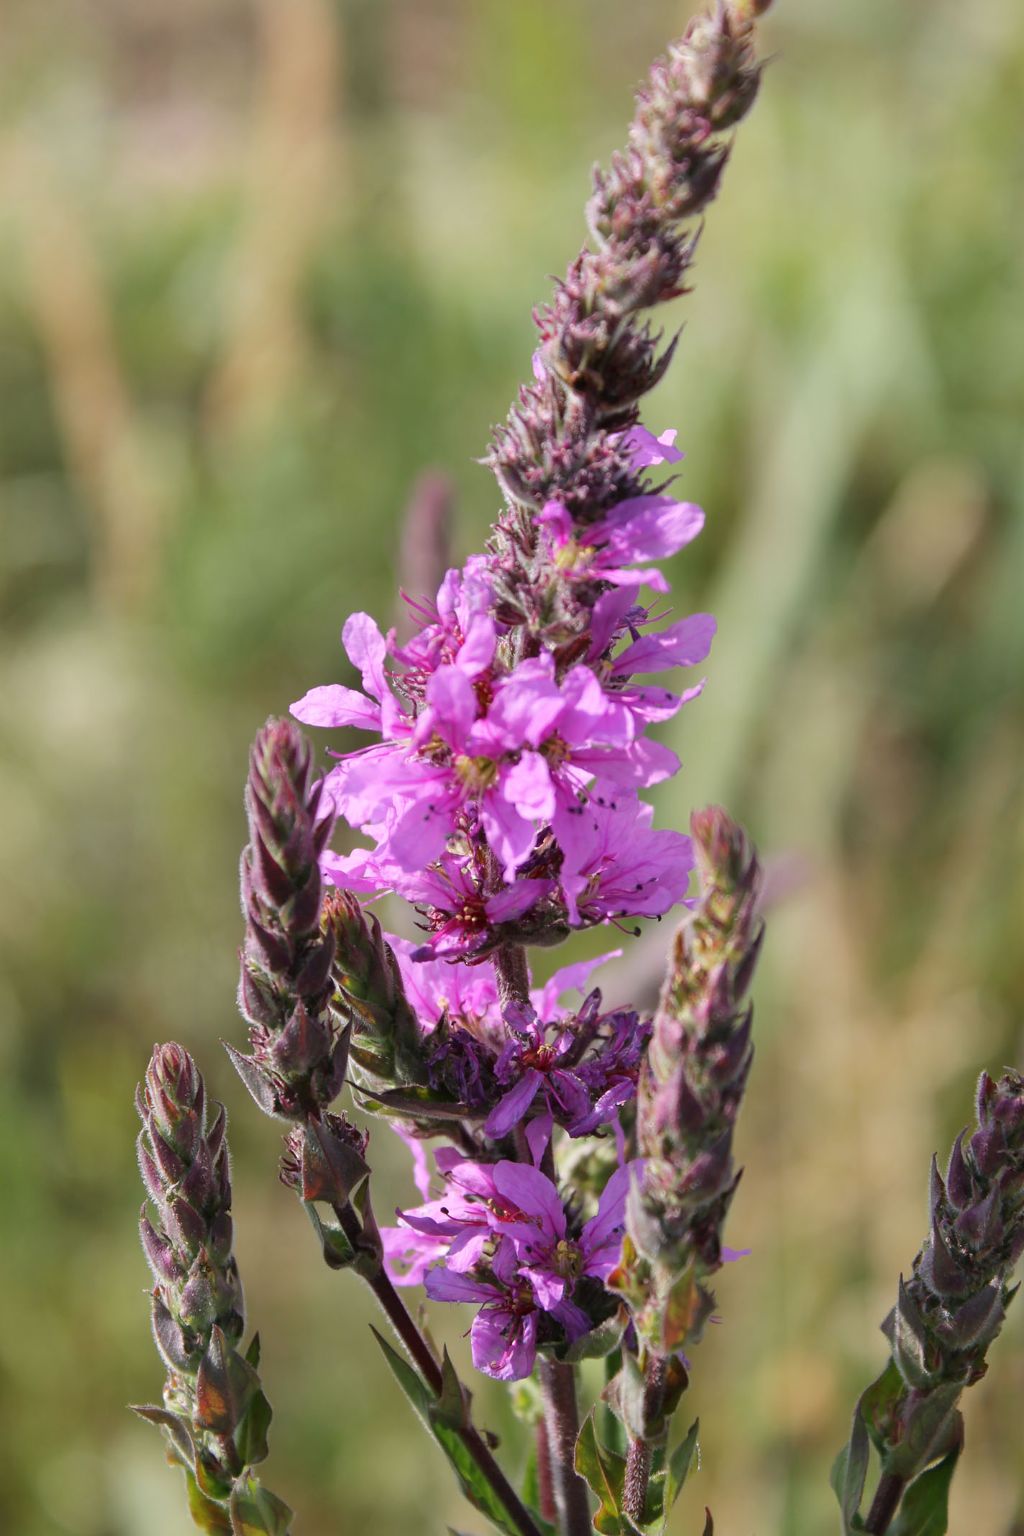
(924, 1510)
(177, 1430)
(451, 1409)
(472, 1481)
(604, 1473)
(210, 1517)
(599, 1342)
(255, 1511)
(337, 1250)
(932, 1430)
(251, 1434)
(878, 1405)
(679, 1463)
(849, 1472)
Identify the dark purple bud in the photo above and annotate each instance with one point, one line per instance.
(909, 1339)
(158, 1250)
(958, 1177)
(272, 884)
(940, 1270)
(984, 1096)
(988, 1148)
(220, 1238)
(199, 1185)
(216, 1136)
(710, 1172)
(267, 947)
(197, 1300)
(980, 1225)
(937, 1191)
(979, 1319)
(302, 1044)
(258, 1000)
(313, 974)
(151, 1178)
(170, 1338)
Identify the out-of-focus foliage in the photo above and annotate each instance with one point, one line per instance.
(260, 264)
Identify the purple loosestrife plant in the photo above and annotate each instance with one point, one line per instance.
(574, 1162)
(579, 1166)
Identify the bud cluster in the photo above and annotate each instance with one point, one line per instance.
(215, 1415)
(298, 1059)
(386, 1047)
(565, 438)
(954, 1303)
(692, 1086)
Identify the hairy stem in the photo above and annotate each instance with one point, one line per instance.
(639, 1455)
(513, 974)
(398, 1316)
(558, 1384)
(544, 1482)
(885, 1504)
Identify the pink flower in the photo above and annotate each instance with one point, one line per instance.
(643, 528)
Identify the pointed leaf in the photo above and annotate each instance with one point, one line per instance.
(604, 1473)
(337, 1250)
(850, 1471)
(932, 1429)
(599, 1342)
(451, 1409)
(679, 1463)
(255, 1511)
(924, 1510)
(880, 1402)
(210, 1517)
(225, 1385)
(472, 1481)
(256, 1080)
(331, 1168)
(251, 1434)
(174, 1427)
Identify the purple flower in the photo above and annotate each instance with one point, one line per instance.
(582, 1066)
(503, 1335)
(643, 528)
(501, 1237)
(618, 866)
(646, 449)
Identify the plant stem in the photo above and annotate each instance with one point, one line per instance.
(884, 1504)
(558, 1383)
(512, 973)
(398, 1316)
(638, 1457)
(544, 1483)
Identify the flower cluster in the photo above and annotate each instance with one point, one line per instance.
(503, 796)
(524, 1060)
(502, 1238)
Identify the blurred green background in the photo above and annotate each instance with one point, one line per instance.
(260, 265)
